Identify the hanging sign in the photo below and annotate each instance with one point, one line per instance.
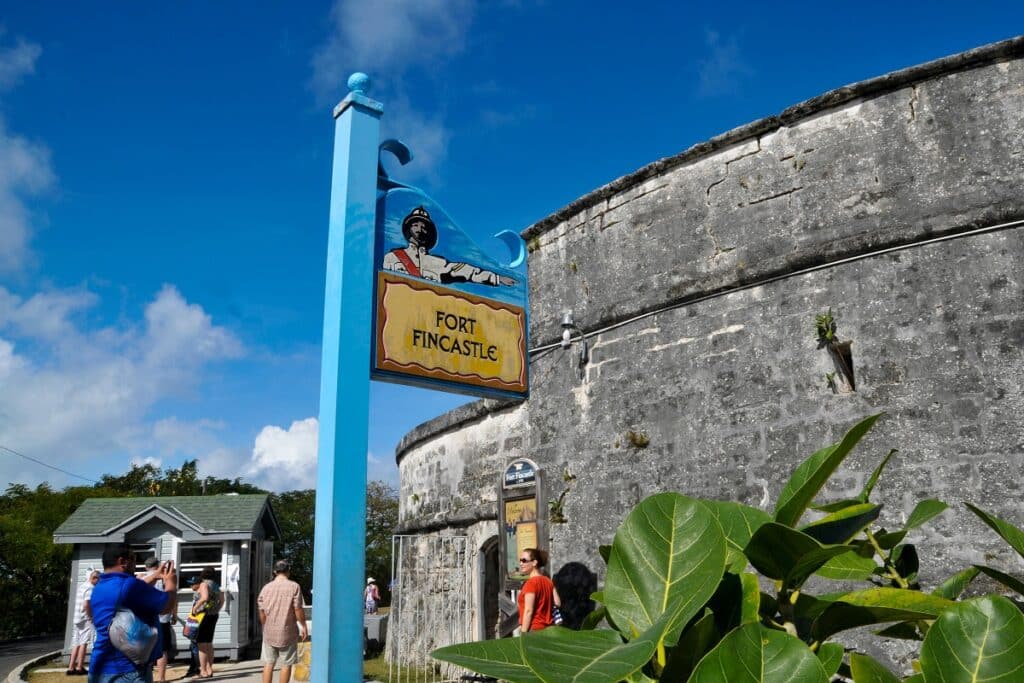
(447, 315)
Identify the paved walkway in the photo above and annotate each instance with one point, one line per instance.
(14, 653)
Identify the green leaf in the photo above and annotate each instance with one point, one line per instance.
(594, 619)
(873, 479)
(557, 654)
(977, 640)
(751, 599)
(876, 606)
(755, 654)
(694, 643)
(788, 555)
(502, 658)
(897, 598)
(1011, 582)
(811, 475)
(739, 522)
(849, 566)
(604, 551)
(924, 511)
(906, 563)
(916, 678)
(953, 587)
(842, 526)
(835, 506)
(867, 670)
(831, 656)
(1009, 533)
(668, 556)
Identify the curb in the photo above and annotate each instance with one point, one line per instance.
(17, 676)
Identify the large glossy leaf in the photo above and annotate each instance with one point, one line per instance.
(867, 670)
(831, 656)
(788, 555)
(739, 522)
(977, 640)
(811, 475)
(953, 587)
(849, 566)
(502, 658)
(876, 606)
(668, 557)
(755, 654)
(841, 526)
(694, 643)
(1011, 582)
(562, 656)
(557, 655)
(1009, 533)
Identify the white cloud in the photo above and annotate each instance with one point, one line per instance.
(25, 169)
(286, 459)
(388, 36)
(397, 42)
(724, 71)
(70, 394)
(141, 462)
(17, 61)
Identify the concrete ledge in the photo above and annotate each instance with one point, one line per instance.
(18, 675)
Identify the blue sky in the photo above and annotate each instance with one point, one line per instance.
(164, 182)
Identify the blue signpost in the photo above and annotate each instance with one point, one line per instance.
(449, 320)
(340, 528)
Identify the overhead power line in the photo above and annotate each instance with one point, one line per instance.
(46, 464)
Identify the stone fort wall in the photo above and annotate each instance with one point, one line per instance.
(896, 202)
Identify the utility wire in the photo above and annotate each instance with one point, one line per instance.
(46, 464)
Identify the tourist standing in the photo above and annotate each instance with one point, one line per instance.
(84, 630)
(211, 599)
(282, 616)
(117, 588)
(371, 596)
(538, 597)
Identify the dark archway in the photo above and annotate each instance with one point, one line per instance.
(490, 588)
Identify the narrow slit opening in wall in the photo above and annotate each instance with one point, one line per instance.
(842, 359)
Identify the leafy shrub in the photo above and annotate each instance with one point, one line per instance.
(681, 604)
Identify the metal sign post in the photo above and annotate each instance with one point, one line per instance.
(340, 529)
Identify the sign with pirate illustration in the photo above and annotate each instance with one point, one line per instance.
(447, 315)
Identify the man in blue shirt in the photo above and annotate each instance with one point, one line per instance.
(119, 588)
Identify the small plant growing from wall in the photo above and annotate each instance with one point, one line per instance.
(638, 439)
(840, 353)
(556, 508)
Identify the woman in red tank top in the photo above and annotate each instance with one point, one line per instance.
(538, 595)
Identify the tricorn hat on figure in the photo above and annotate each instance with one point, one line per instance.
(420, 214)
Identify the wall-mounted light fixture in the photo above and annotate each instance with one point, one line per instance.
(569, 328)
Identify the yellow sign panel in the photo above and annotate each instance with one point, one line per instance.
(434, 332)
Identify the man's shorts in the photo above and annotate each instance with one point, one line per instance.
(82, 635)
(289, 654)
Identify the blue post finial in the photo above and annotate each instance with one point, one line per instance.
(359, 83)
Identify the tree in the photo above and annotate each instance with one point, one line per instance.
(34, 572)
(381, 523)
(295, 510)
